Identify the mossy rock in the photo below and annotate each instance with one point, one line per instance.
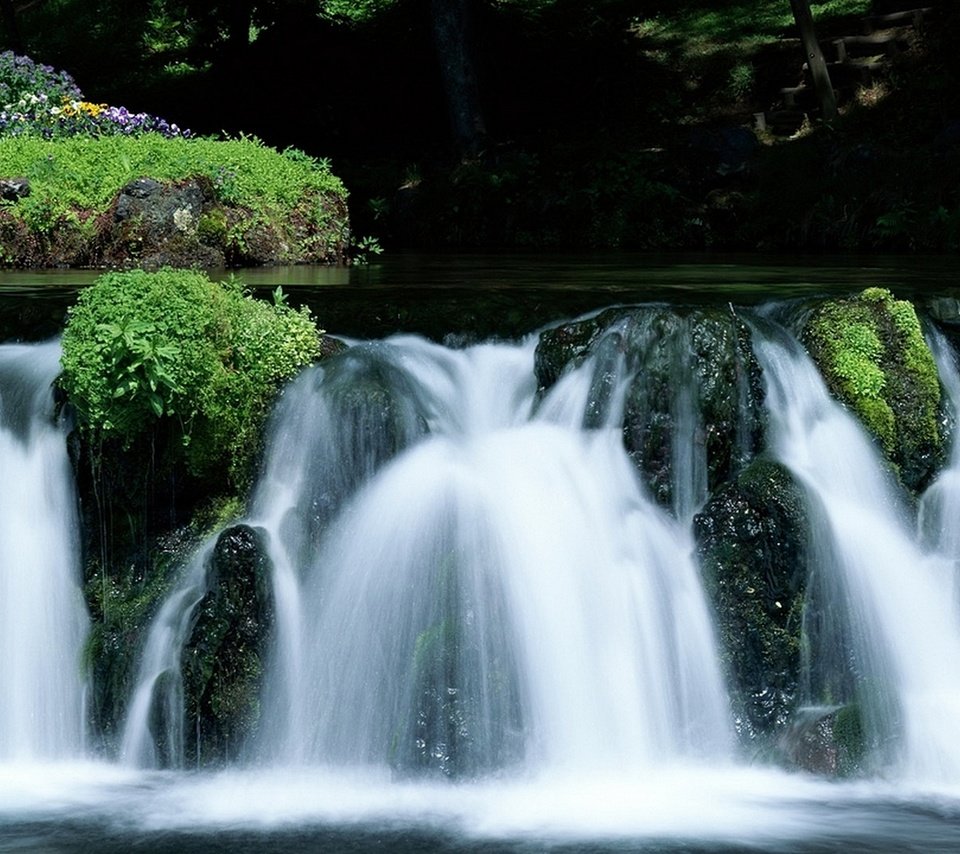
(172, 351)
(829, 742)
(123, 598)
(752, 544)
(223, 661)
(872, 354)
(690, 370)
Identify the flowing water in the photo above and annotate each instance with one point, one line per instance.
(901, 627)
(42, 618)
(488, 635)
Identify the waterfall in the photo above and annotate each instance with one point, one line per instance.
(153, 730)
(940, 504)
(483, 587)
(43, 620)
(903, 632)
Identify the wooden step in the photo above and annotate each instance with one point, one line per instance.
(886, 43)
(903, 18)
(783, 122)
(856, 71)
(802, 96)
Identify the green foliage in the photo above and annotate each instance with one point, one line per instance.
(740, 80)
(873, 356)
(355, 11)
(85, 174)
(695, 22)
(140, 347)
(366, 248)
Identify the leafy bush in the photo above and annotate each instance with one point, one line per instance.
(143, 347)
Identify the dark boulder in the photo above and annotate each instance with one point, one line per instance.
(693, 387)
(752, 544)
(223, 661)
(14, 189)
(156, 225)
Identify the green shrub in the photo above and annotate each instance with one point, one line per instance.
(140, 347)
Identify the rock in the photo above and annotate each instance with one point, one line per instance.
(159, 225)
(752, 544)
(826, 741)
(223, 660)
(14, 189)
(726, 150)
(691, 373)
(873, 356)
(372, 412)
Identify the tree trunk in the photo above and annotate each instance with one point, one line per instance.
(818, 67)
(452, 36)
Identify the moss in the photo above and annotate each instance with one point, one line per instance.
(873, 356)
(143, 349)
(848, 736)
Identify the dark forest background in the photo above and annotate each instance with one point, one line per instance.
(640, 124)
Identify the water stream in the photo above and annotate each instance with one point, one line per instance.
(43, 620)
(488, 634)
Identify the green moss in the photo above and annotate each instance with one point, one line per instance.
(848, 736)
(874, 358)
(142, 348)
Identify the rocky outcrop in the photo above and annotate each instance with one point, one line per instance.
(752, 543)
(688, 371)
(223, 660)
(154, 224)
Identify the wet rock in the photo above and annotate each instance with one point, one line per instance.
(826, 741)
(694, 391)
(752, 544)
(873, 356)
(223, 661)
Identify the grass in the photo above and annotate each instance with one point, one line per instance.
(85, 174)
(700, 27)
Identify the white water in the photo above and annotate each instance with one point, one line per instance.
(43, 620)
(940, 505)
(904, 630)
(502, 593)
(159, 684)
(574, 611)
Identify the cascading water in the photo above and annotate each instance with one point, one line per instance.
(471, 581)
(940, 504)
(43, 620)
(501, 592)
(889, 592)
(151, 739)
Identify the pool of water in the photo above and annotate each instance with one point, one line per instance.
(93, 807)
